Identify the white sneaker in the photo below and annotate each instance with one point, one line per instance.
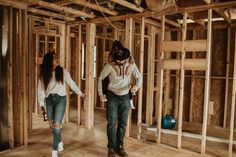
(54, 153)
(60, 147)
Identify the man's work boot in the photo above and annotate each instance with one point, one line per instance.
(121, 152)
(111, 153)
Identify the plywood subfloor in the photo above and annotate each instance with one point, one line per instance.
(81, 142)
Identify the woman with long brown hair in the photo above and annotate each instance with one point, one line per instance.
(52, 94)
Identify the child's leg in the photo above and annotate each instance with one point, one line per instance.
(128, 70)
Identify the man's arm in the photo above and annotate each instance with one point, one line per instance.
(137, 75)
(104, 73)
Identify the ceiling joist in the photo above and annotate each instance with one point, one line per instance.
(199, 8)
(150, 14)
(200, 21)
(63, 2)
(50, 14)
(170, 22)
(128, 5)
(219, 12)
(43, 19)
(154, 23)
(13, 3)
(94, 6)
(64, 9)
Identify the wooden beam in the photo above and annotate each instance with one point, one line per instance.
(150, 13)
(128, 5)
(177, 81)
(182, 78)
(227, 78)
(64, 9)
(89, 83)
(199, 8)
(50, 14)
(193, 83)
(62, 44)
(116, 34)
(10, 81)
(219, 12)
(79, 70)
(25, 74)
(43, 19)
(63, 2)
(62, 29)
(232, 114)
(189, 45)
(104, 57)
(216, 25)
(62, 51)
(154, 23)
(36, 68)
(129, 43)
(169, 22)
(114, 18)
(167, 105)
(21, 80)
(157, 78)
(196, 136)
(32, 87)
(159, 117)
(46, 37)
(200, 21)
(148, 114)
(128, 34)
(94, 7)
(140, 93)
(195, 45)
(14, 4)
(207, 82)
(16, 78)
(150, 76)
(68, 67)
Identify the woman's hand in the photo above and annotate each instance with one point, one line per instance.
(83, 96)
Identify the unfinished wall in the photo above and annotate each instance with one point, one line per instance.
(219, 54)
(231, 69)
(195, 82)
(18, 48)
(4, 140)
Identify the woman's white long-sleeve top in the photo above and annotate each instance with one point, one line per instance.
(55, 87)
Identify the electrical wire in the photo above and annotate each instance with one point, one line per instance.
(85, 5)
(107, 18)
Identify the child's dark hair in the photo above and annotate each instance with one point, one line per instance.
(116, 46)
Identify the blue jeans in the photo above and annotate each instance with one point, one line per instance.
(56, 106)
(117, 109)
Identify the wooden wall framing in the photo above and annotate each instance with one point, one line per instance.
(21, 79)
(129, 44)
(231, 138)
(10, 81)
(206, 65)
(89, 84)
(18, 73)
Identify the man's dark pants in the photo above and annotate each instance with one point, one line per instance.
(117, 108)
